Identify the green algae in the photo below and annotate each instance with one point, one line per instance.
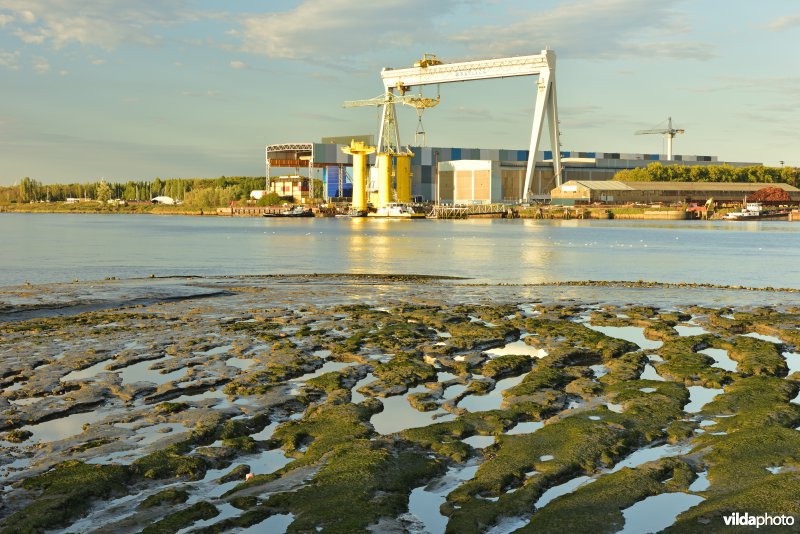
(405, 369)
(182, 519)
(65, 493)
(507, 365)
(597, 507)
(168, 496)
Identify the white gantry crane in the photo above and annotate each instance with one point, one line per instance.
(431, 71)
(669, 133)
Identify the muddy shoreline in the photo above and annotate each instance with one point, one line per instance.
(142, 404)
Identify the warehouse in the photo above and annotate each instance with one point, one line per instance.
(326, 162)
(576, 192)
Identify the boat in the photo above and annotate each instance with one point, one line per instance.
(297, 211)
(397, 210)
(754, 211)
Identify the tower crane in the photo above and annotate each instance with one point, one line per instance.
(669, 133)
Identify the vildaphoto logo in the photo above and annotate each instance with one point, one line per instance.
(746, 520)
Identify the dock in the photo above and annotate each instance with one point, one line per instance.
(471, 211)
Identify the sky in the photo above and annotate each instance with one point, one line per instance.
(127, 90)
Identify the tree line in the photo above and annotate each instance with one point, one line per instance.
(656, 172)
(200, 192)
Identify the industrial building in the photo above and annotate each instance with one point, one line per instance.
(576, 192)
(328, 162)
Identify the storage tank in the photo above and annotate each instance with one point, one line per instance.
(403, 176)
(384, 161)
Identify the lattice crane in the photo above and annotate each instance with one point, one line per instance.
(669, 133)
(418, 102)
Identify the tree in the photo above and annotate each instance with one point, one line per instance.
(103, 193)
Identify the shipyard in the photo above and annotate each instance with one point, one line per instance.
(545, 281)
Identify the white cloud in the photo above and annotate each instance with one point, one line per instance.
(9, 60)
(5, 20)
(324, 30)
(591, 29)
(99, 61)
(103, 23)
(785, 22)
(41, 65)
(236, 64)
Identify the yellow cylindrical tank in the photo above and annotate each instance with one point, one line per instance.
(403, 173)
(359, 151)
(384, 179)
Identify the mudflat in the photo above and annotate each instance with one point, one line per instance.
(394, 403)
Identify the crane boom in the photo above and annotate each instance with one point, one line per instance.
(669, 133)
(431, 71)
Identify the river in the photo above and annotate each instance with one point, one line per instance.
(41, 248)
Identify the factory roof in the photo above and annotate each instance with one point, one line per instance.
(613, 185)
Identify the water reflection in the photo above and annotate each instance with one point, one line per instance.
(488, 250)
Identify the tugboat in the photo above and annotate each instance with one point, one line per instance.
(397, 210)
(754, 211)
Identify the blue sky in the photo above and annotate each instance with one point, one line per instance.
(180, 88)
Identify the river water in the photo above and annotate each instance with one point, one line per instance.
(40, 248)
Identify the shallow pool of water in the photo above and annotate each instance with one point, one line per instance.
(399, 415)
(240, 363)
(142, 372)
(762, 337)
(650, 373)
(792, 361)
(517, 348)
(62, 428)
(561, 489)
(721, 359)
(525, 428)
(634, 334)
(425, 501)
(657, 512)
(492, 400)
(642, 456)
(275, 524)
(699, 397)
(684, 330)
(89, 372)
(701, 483)
(479, 442)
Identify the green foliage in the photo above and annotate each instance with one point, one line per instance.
(657, 172)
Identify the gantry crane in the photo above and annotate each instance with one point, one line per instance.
(430, 71)
(669, 133)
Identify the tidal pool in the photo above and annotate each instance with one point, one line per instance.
(89, 372)
(274, 524)
(650, 373)
(517, 348)
(657, 512)
(479, 442)
(721, 359)
(142, 372)
(525, 428)
(399, 415)
(762, 337)
(561, 489)
(62, 428)
(425, 502)
(492, 400)
(642, 456)
(685, 331)
(699, 397)
(701, 483)
(634, 334)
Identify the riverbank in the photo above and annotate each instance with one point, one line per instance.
(395, 403)
(522, 212)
